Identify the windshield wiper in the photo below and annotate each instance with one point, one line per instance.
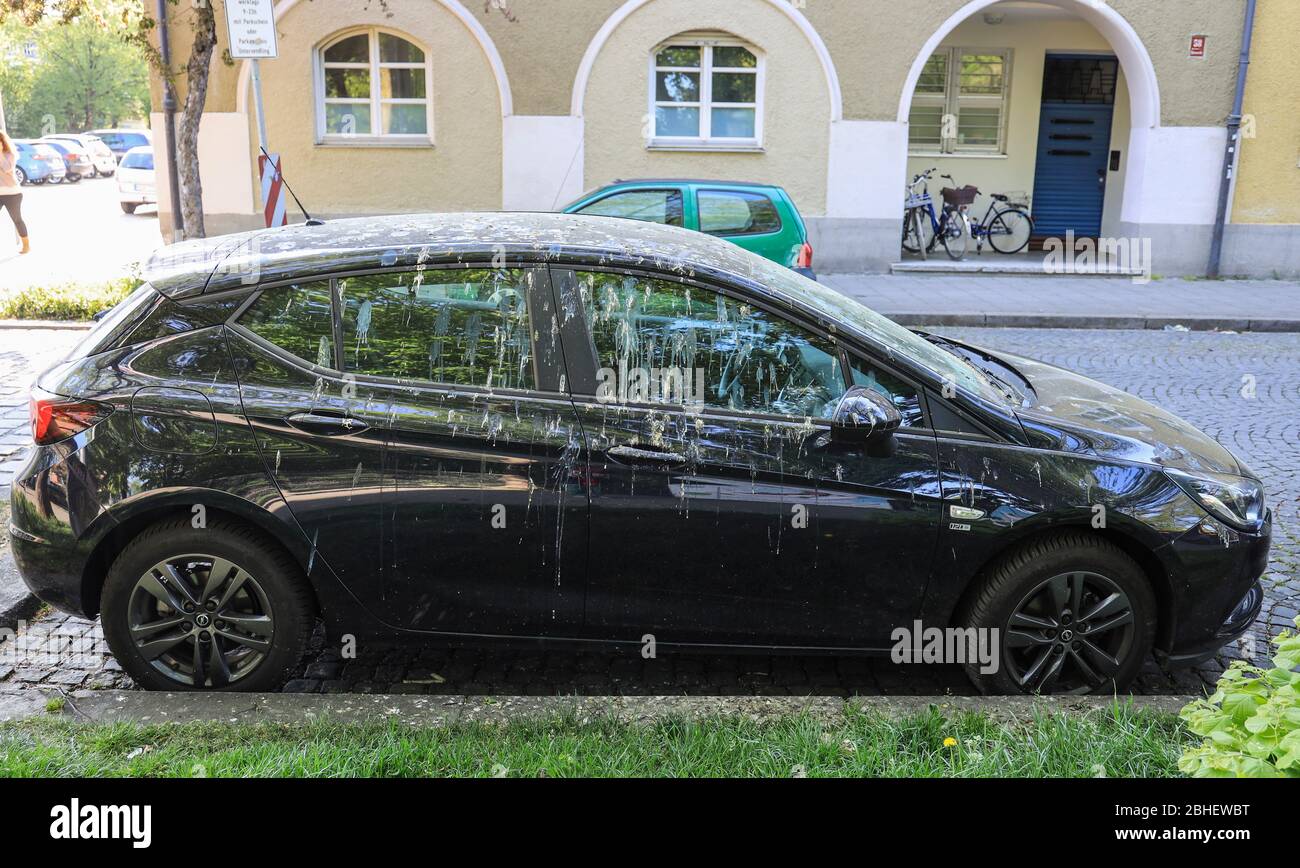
(960, 352)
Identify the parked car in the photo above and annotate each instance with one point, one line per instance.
(572, 430)
(76, 162)
(136, 182)
(758, 217)
(122, 141)
(38, 163)
(101, 155)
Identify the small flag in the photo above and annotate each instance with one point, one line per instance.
(272, 190)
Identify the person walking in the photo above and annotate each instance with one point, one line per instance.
(11, 195)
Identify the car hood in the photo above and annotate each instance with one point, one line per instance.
(1083, 415)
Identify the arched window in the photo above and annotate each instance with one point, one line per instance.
(373, 84)
(706, 93)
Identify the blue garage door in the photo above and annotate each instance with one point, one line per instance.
(1073, 145)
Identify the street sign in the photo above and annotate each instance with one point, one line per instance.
(272, 190)
(252, 29)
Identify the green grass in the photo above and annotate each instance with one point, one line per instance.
(69, 301)
(1118, 742)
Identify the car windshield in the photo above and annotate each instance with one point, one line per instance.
(892, 337)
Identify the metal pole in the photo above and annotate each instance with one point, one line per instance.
(1231, 155)
(261, 115)
(169, 123)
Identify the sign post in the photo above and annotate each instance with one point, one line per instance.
(251, 24)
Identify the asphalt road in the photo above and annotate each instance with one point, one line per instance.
(78, 233)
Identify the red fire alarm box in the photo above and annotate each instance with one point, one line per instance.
(1198, 47)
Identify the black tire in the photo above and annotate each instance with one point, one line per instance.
(956, 235)
(128, 207)
(1028, 576)
(1010, 231)
(911, 232)
(20, 175)
(280, 586)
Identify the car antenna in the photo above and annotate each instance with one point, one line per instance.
(311, 221)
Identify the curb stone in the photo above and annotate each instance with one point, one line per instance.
(247, 708)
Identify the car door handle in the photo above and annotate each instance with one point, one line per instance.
(632, 453)
(331, 425)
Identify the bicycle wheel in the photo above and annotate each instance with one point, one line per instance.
(911, 234)
(1010, 231)
(956, 235)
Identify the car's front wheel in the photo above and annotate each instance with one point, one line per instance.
(1074, 614)
(213, 608)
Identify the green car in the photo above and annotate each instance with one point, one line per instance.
(761, 218)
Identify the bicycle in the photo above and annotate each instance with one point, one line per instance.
(951, 227)
(1010, 228)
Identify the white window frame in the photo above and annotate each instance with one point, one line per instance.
(376, 102)
(952, 100)
(706, 141)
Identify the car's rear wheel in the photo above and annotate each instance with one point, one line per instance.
(128, 207)
(1074, 614)
(215, 608)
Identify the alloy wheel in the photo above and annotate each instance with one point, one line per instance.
(201, 620)
(1070, 634)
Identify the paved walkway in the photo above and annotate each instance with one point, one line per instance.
(1076, 302)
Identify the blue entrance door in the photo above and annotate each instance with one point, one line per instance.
(1070, 178)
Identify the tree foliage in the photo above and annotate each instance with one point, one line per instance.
(85, 74)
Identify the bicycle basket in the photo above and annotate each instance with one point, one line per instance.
(960, 196)
(1018, 198)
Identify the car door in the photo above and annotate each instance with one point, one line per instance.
(484, 509)
(705, 418)
(321, 435)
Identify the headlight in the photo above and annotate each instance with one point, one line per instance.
(1234, 500)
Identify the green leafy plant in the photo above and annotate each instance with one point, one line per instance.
(1251, 723)
(71, 301)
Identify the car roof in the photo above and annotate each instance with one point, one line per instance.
(140, 149)
(711, 182)
(229, 262)
(141, 130)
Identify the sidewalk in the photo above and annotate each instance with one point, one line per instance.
(1045, 301)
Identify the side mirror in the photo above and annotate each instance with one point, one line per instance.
(864, 415)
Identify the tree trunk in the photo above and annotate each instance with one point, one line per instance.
(187, 133)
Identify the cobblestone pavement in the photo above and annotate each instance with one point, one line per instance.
(1204, 377)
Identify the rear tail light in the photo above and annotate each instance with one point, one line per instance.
(805, 257)
(56, 418)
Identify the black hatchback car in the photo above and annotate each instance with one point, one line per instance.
(553, 428)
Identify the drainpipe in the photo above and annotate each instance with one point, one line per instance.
(169, 124)
(1234, 141)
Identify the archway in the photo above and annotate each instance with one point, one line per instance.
(1122, 161)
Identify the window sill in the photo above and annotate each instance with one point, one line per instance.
(371, 142)
(706, 147)
(961, 155)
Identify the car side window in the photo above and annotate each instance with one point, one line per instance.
(732, 212)
(662, 342)
(296, 318)
(903, 396)
(652, 206)
(462, 327)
